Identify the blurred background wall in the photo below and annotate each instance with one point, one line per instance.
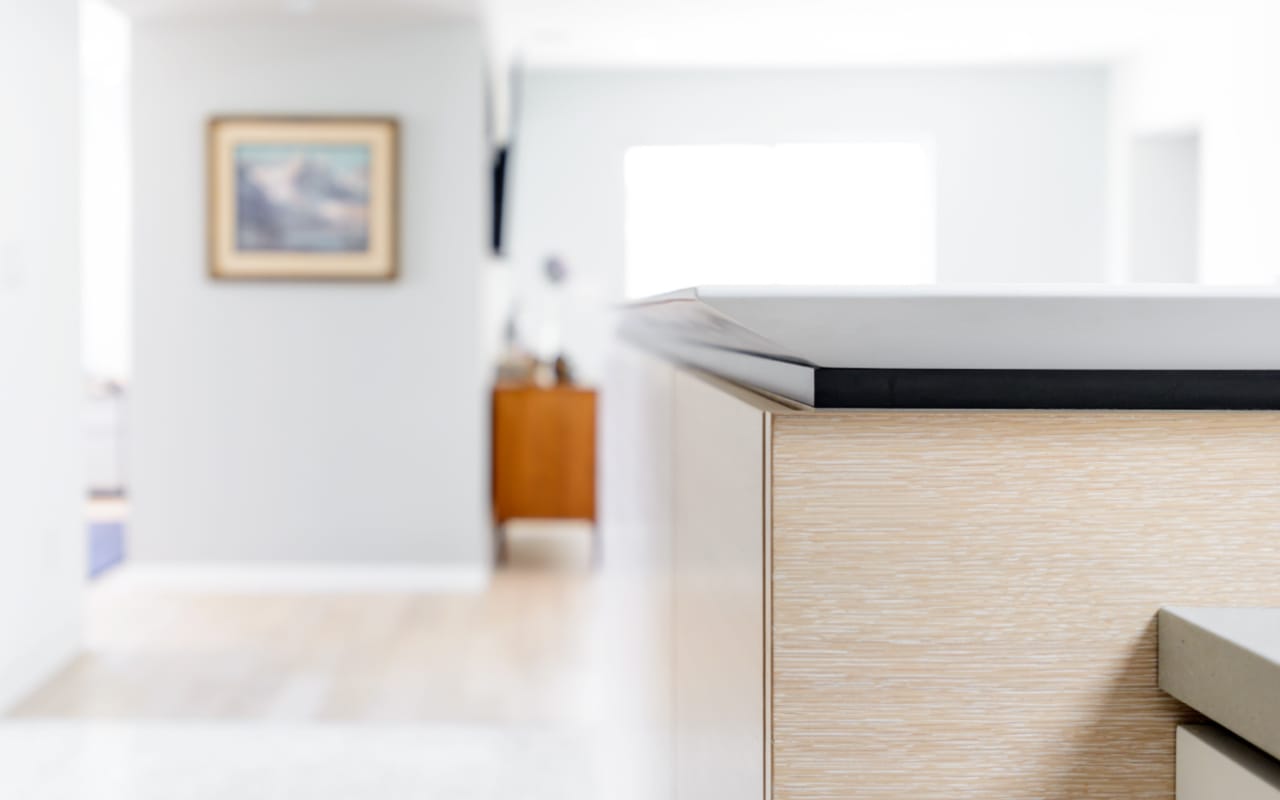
(303, 422)
(41, 485)
(1213, 71)
(1020, 156)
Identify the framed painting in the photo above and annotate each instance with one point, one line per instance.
(303, 198)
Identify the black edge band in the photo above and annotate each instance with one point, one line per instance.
(1048, 389)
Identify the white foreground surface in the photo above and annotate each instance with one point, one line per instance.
(1225, 663)
(253, 761)
(1213, 764)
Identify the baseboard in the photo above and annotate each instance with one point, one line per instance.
(294, 578)
(40, 663)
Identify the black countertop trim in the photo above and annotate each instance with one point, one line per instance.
(1063, 389)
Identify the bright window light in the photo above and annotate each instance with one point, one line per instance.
(104, 189)
(789, 214)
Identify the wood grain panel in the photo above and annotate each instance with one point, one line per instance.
(963, 602)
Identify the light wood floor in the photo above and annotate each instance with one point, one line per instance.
(517, 653)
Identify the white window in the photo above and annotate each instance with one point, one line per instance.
(789, 214)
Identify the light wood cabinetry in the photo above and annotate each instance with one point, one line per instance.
(941, 604)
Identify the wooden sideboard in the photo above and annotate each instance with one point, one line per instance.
(544, 454)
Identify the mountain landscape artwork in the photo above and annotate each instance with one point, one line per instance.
(303, 198)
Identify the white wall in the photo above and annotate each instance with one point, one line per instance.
(42, 548)
(1164, 243)
(1021, 155)
(1218, 74)
(296, 422)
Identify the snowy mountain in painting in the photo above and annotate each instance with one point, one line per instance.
(309, 198)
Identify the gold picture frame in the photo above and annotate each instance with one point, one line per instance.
(303, 198)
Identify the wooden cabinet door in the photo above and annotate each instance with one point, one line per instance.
(544, 453)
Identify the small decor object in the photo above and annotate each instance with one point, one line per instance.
(544, 375)
(555, 277)
(564, 371)
(515, 365)
(303, 198)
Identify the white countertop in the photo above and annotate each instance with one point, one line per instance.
(1225, 663)
(1016, 327)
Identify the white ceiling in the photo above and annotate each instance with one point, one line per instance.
(823, 32)
(259, 9)
(766, 32)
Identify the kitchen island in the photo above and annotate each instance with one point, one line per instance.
(885, 601)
